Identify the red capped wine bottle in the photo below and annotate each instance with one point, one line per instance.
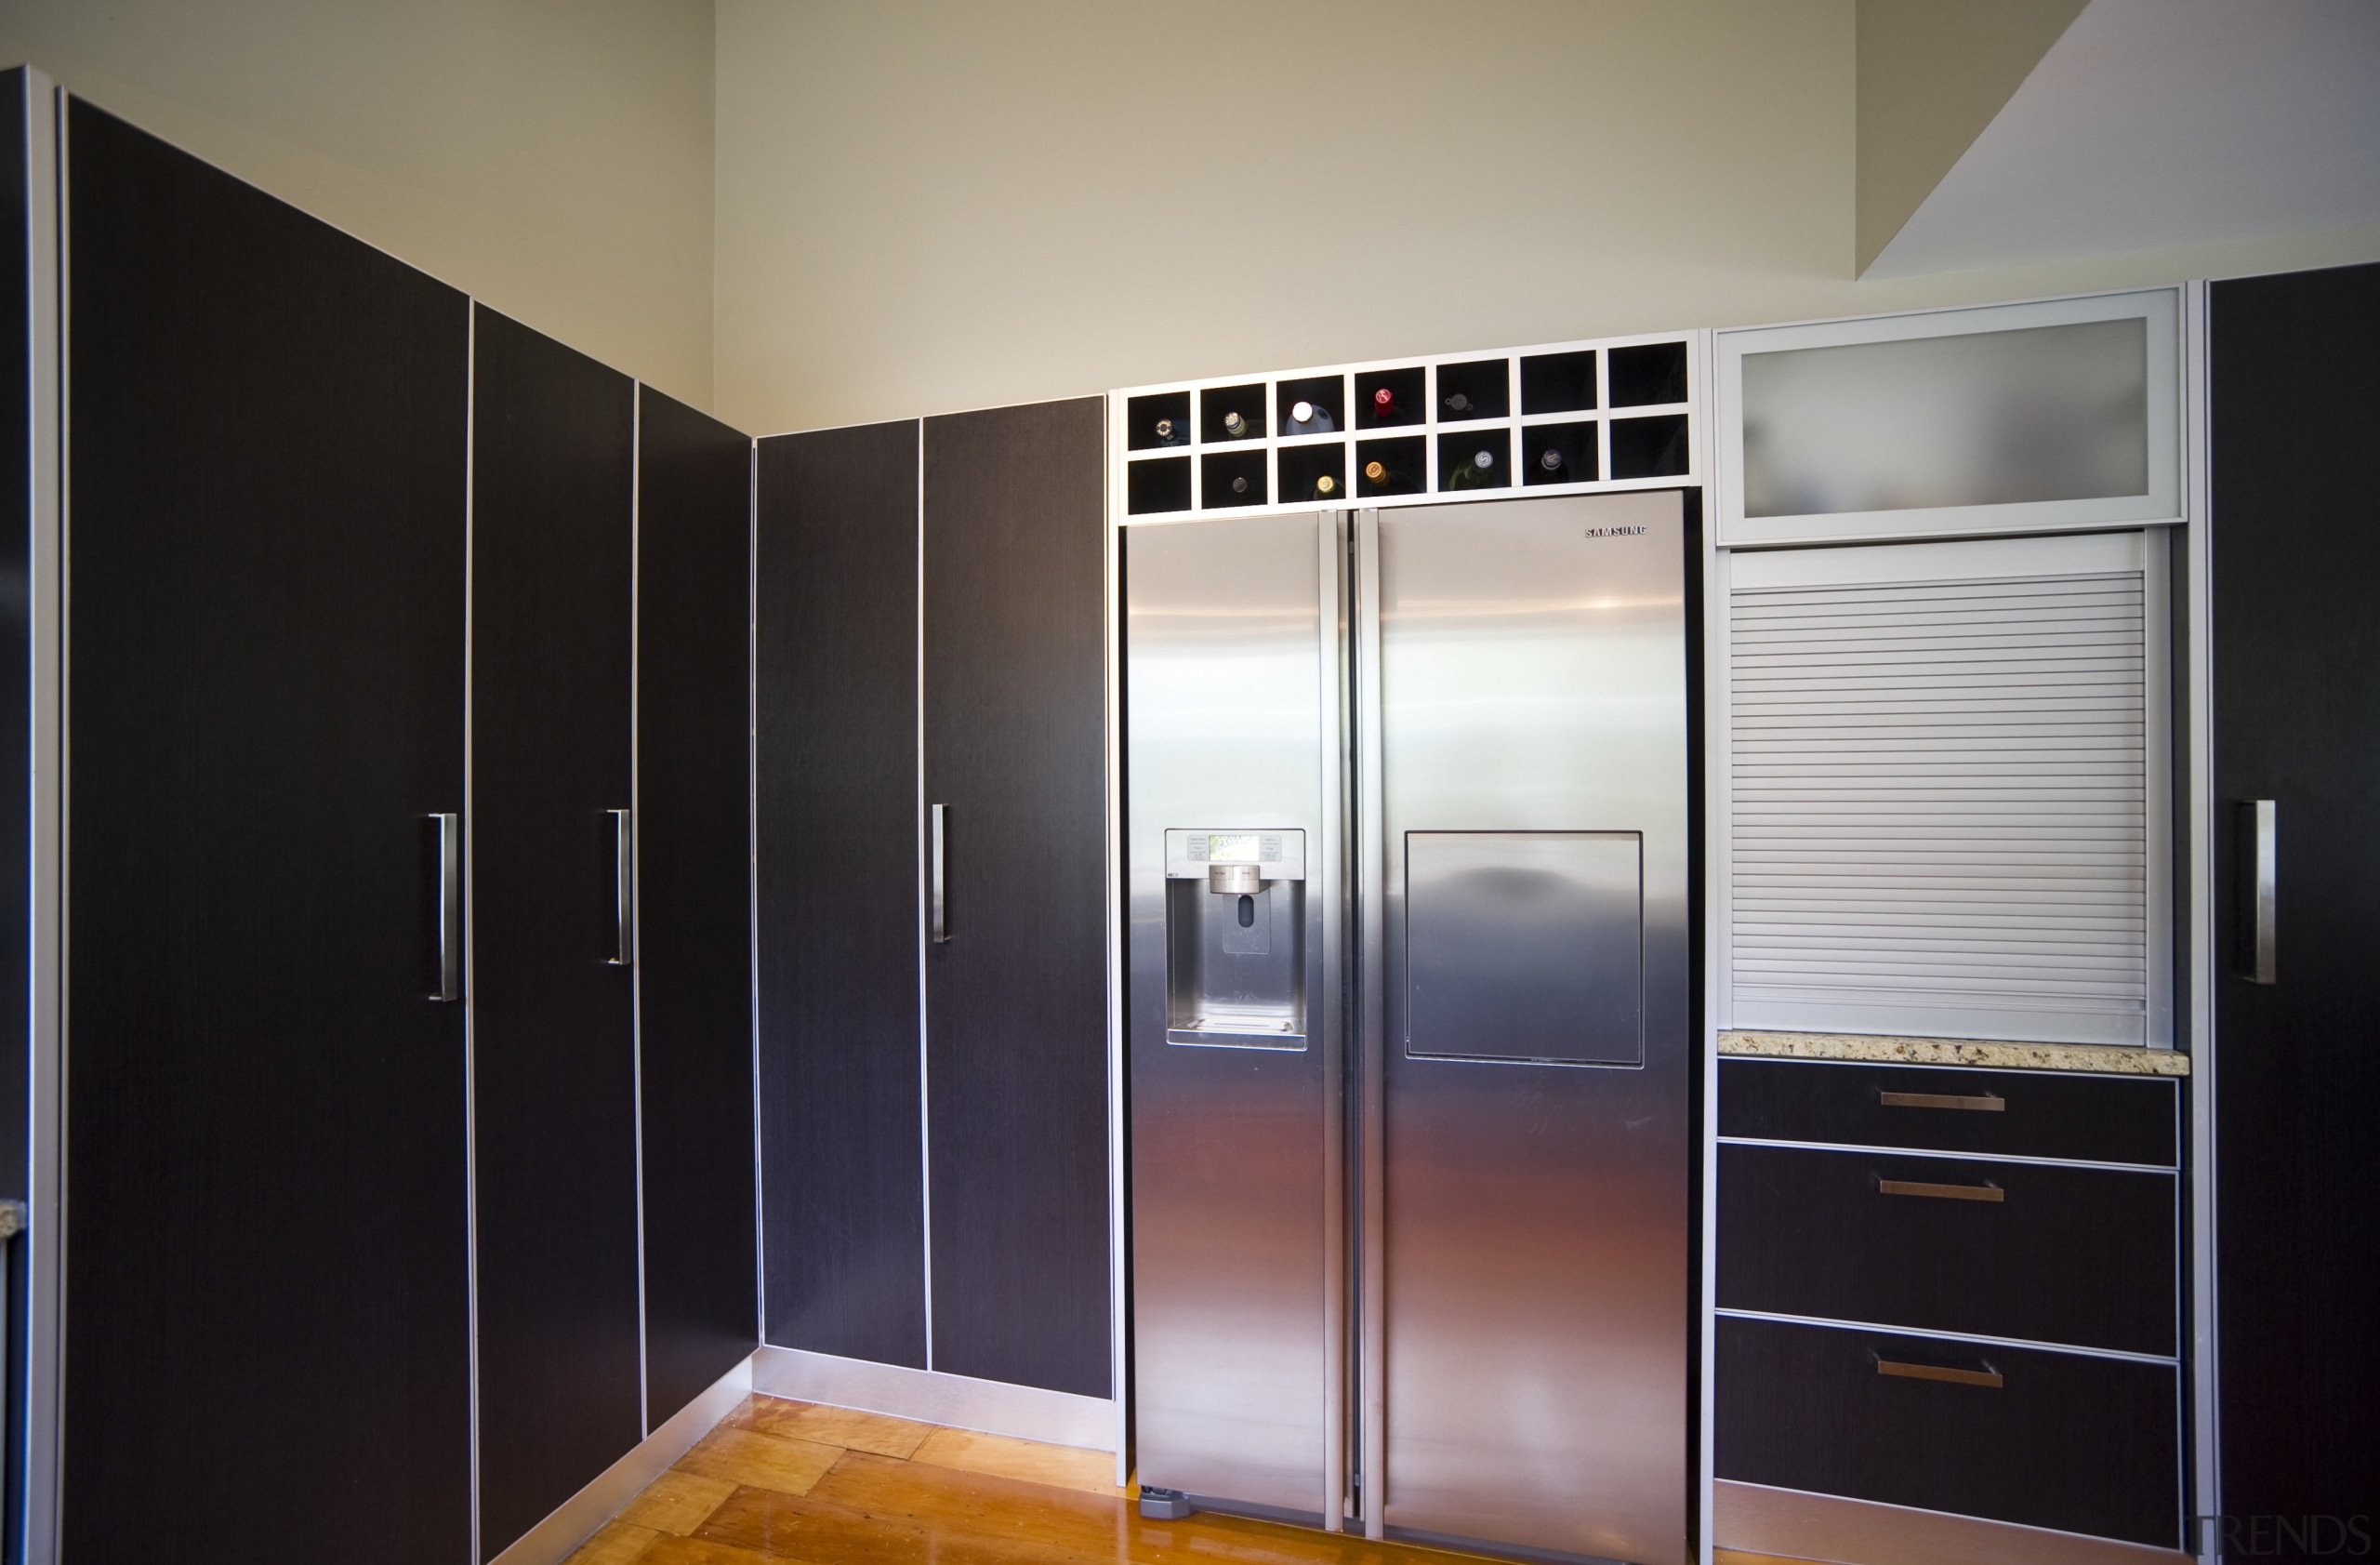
(1384, 410)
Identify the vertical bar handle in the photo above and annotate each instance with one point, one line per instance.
(2259, 883)
(941, 903)
(622, 887)
(450, 905)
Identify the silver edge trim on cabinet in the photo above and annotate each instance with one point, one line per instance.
(584, 1514)
(1714, 858)
(44, 1245)
(752, 863)
(631, 886)
(2198, 628)
(960, 1401)
(925, 922)
(1372, 1065)
(2166, 1360)
(1331, 542)
(1119, 1256)
(471, 1003)
(1876, 1149)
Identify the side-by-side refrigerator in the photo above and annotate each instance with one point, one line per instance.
(1406, 797)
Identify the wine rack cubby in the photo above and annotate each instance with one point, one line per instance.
(1617, 414)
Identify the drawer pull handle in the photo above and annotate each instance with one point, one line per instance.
(1986, 1376)
(1940, 1192)
(1986, 1103)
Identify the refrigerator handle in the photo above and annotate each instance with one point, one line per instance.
(2259, 881)
(448, 849)
(1373, 1021)
(1330, 993)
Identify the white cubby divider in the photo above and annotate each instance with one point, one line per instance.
(1145, 491)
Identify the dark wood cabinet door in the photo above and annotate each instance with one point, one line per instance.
(2295, 534)
(836, 726)
(694, 913)
(267, 1331)
(1016, 1011)
(553, 1023)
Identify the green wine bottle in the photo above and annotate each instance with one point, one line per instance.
(1477, 473)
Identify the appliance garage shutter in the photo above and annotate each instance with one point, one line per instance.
(1948, 791)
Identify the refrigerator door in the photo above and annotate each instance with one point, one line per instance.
(1233, 676)
(1523, 685)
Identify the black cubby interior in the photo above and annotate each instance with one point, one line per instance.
(1302, 466)
(1229, 478)
(1574, 444)
(1483, 389)
(1159, 485)
(1328, 394)
(1171, 408)
(1558, 382)
(1404, 465)
(1458, 464)
(1405, 390)
(1647, 374)
(1648, 447)
(1217, 404)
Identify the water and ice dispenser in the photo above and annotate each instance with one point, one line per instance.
(1234, 939)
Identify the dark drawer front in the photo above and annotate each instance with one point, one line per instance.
(2065, 1440)
(2042, 1113)
(2080, 1255)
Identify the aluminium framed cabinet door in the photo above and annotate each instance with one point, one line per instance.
(267, 1309)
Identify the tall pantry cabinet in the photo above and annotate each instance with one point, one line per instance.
(929, 703)
(406, 1128)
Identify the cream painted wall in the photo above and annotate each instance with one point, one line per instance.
(553, 157)
(929, 204)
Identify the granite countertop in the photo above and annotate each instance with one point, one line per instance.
(2115, 1059)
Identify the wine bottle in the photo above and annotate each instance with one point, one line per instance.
(1239, 484)
(1306, 418)
(1236, 425)
(1458, 402)
(1380, 475)
(1477, 473)
(1552, 460)
(1384, 410)
(1164, 431)
(1326, 486)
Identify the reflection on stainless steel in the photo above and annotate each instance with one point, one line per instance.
(1226, 661)
(1535, 1243)
(1524, 946)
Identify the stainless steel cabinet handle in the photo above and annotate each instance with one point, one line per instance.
(624, 886)
(450, 907)
(941, 907)
(1986, 1103)
(1986, 1376)
(2259, 873)
(1940, 1192)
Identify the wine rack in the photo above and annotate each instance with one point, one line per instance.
(1622, 413)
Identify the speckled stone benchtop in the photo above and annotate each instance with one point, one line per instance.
(2112, 1059)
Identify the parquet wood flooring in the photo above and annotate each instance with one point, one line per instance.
(781, 1482)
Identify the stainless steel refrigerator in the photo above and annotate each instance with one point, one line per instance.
(1407, 794)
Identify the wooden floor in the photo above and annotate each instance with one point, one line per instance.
(789, 1482)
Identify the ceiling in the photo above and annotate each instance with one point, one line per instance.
(2157, 123)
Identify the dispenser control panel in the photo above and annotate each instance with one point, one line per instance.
(1278, 856)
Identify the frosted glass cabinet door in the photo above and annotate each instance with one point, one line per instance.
(2006, 418)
